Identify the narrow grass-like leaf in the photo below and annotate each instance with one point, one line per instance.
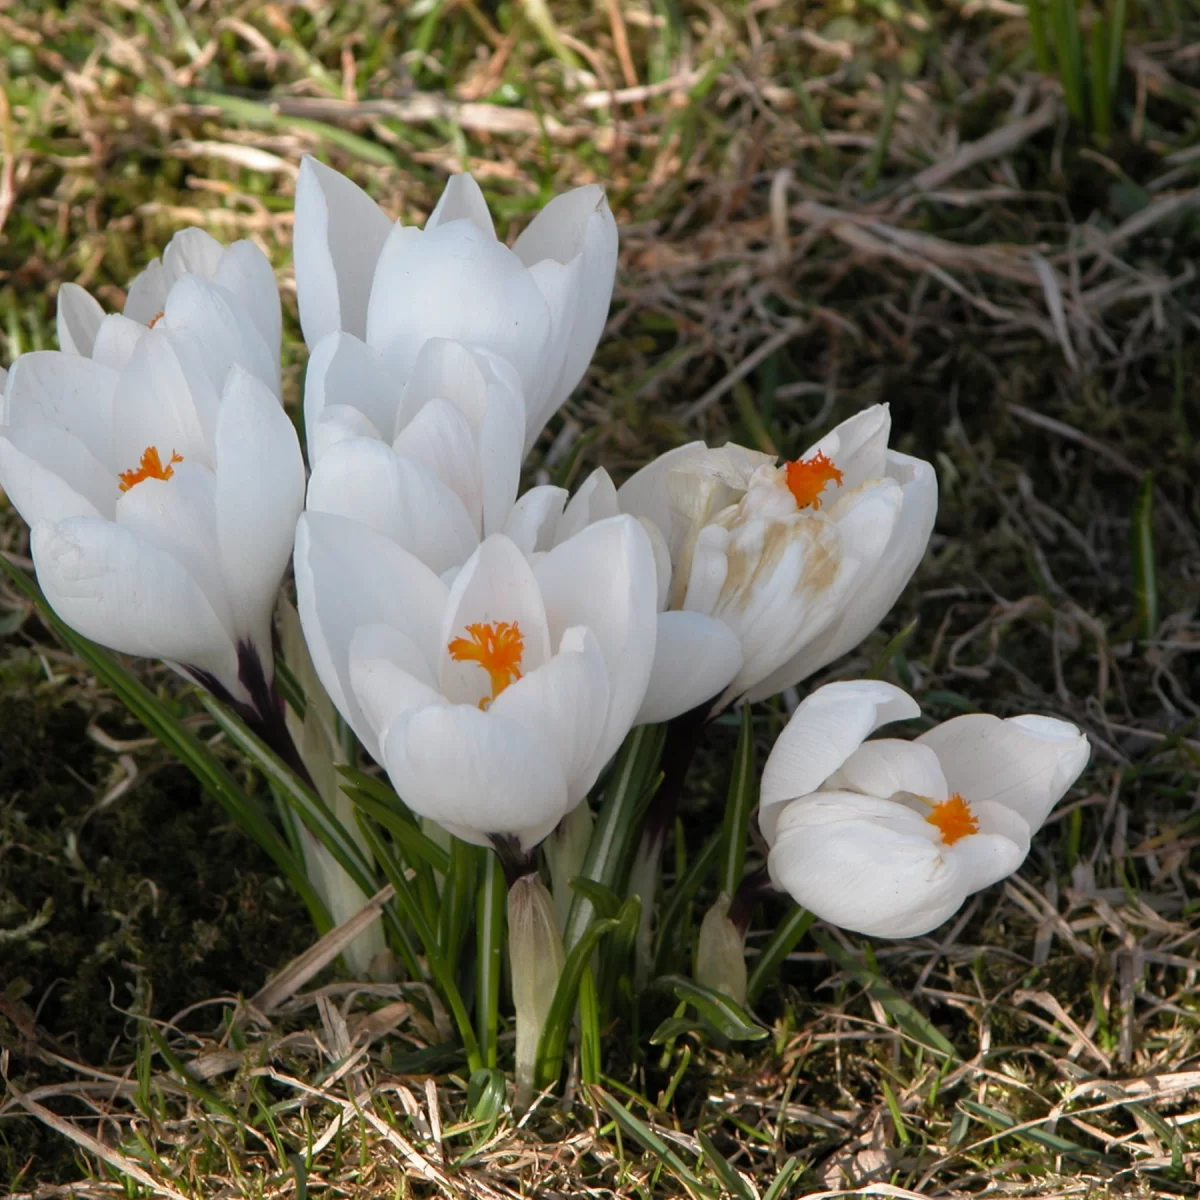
(730, 1179)
(727, 1016)
(1068, 48)
(914, 1023)
(681, 895)
(780, 944)
(1037, 35)
(1145, 569)
(608, 850)
(1041, 1137)
(603, 899)
(590, 1056)
(1116, 47)
(489, 962)
(417, 847)
(458, 899)
(738, 806)
(777, 1190)
(891, 101)
(245, 811)
(1098, 90)
(650, 1141)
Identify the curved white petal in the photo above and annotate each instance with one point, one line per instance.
(823, 733)
(501, 439)
(533, 518)
(48, 475)
(389, 676)
(259, 495)
(462, 200)
(116, 341)
(349, 576)
(48, 387)
(246, 271)
(470, 769)
(695, 657)
(440, 439)
(120, 591)
(338, 423)
(496, 585)
(337, 239)
(885, 766)
(878, 868)
(604, 578)
(192, 251)
(647, 493)
(403, 501)
(453, 282)
(560, 285)
(595, 500)
(146, 296)
(78, 315)
(345, 372)
(565, 700)
(858, 446)
(444, 370)
(577, 223)
(1026, 763)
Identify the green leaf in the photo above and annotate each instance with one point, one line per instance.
(681, 895)
(781, 943)
(590, 1056)
(489, 962)
(738, 806)
(418, 848)
(777, 1189)
(914, 1023)
(603, 899)
(727, 1016)
(732, 1181)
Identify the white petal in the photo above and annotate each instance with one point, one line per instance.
(695, 657)
(822, 734)
(346, 372)
(337, 239)
(147, 294)
(338, 423)
(496, 585)
(47, 387)
(192, 251)
(471, 769)
(858, 446)
(440, 439)
(389, 676)
(646, 494)
(246, 271)
(78, 315)
(604, 578)
(348, 576)
(560, 286)
(501, 439)
(444, 370)
(116, 341)
(885, 766)
(662, 562)
(453, 282)
(565, 700)
(577, 223)
(873, 867)
(259, 495)
(48, 475)
(595, 500)
(1026, 763)
(120, 591)
(369, 482)
(532, 520)
(462, 200)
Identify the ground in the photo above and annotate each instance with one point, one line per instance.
(822, 206)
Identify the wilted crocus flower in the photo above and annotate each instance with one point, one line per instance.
(162, 496)
(889, 837)
(434, 464)
(240, 277)
(541, 305)
(495, 701)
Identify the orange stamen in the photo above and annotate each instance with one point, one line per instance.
(497, 648)
(151, 467)
(953, 819)
(154, 320)
(806, 477)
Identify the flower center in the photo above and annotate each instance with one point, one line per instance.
(497, 648)
(954, 819)
(151, 467)
(807, 477)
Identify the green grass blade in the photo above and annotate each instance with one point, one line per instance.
(777, 1189)
(724, 1014)
(418, 848)
(590, 1056)
(1116, 45)
(1145, 570)
(244, 810)
(1098, 90)
(731, 1181)
(738, 807)
(1068, 46)
(781, 943)
(1037, 35)
(681, 896)
(490, 916)
(458, 898)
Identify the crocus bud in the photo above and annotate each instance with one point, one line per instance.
(535, 953)
(721, 953)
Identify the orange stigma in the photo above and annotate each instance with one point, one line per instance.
(806, 477)
(497, 648)
(151, 467)
(953, 819)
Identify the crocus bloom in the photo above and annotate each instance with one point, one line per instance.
(436, 472)
(541, 305)
(493, 702)
(889, 837)
(242, 283)
(162, 497)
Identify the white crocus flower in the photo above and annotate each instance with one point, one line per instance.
(436, 472)
(241, 280)
(889, 837)
(541, 305)
(162, 497)
(493, 702)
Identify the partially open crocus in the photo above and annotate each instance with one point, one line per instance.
(241, 282)
(889, 837)
(541, 305)
(493, 702)
(162, 497)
